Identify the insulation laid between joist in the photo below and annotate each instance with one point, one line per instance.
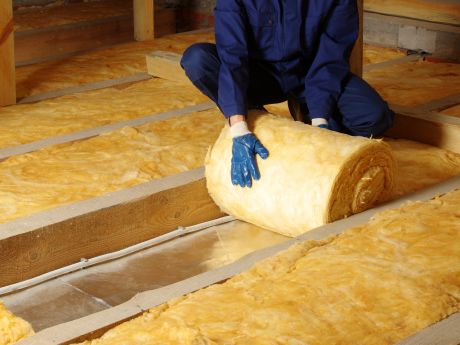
(72, 113)
(12, 328)
(312, 176)
(376, 283)
(74, 171)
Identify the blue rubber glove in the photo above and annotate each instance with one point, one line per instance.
(244, 166)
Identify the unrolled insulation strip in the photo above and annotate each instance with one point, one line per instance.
(92, 132)
(85, 87)
(84, 263)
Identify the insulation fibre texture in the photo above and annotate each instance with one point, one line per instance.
(312, 176)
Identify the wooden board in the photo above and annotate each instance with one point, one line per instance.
(60, 41)
(61, 236)
(445, 332)
(143, 20)
(356, 59)
(7, 68)
(397, 61)
(166, 65)
(441, 104)
(93, 326)
(440, 11)
(427, 127)
(56, 42)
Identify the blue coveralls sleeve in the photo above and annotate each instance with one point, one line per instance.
(230, 29)
(330, 66)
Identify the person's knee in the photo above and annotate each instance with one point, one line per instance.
(196, 60)
(378, 119)
(384, 119)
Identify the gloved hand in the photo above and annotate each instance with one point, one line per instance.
(320, 122)
(245, 147)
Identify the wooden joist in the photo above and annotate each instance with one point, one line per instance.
(166, 65)
(445, 332)
(356, 59)
(426, 127)
(57, 42)
(61, 41)
(143, 20)
(441, 104)
(7, 67)
(52, 239)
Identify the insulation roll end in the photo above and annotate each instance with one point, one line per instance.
(312, 176)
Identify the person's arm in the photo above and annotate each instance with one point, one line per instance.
(231, 35)
(230, 29)
(330, 67)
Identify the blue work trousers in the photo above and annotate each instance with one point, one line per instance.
(360, 109)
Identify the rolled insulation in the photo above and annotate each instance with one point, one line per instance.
(312, 176)
(12, 328)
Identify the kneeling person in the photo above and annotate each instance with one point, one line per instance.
(272, 51)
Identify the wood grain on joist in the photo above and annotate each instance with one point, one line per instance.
(166, 65)
(7, 31)
(52, 239)
(67, 40)
(7, 68)
(143, 20)
(426, 127)
(57, 42)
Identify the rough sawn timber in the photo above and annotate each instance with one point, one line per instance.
(7, 66)
(55, 238)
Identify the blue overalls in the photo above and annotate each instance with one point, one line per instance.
(270, 50)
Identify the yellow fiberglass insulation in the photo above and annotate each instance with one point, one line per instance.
(312, 176)
(66, 173)
(420, 165)
(12, 328)
(375, 284)
(80, 111)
